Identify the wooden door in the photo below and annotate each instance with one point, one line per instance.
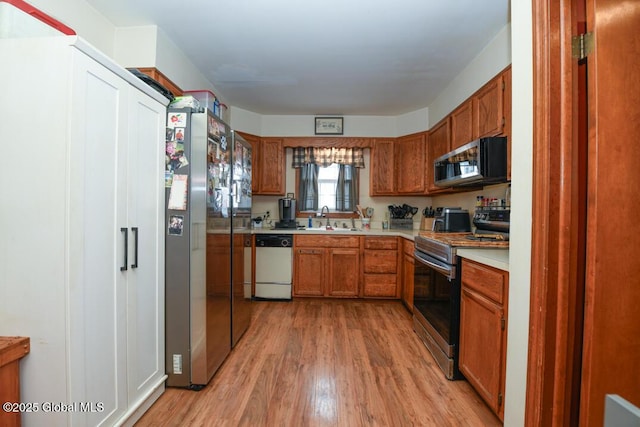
(382, 175)
(411, 155)
(612, 294)
(463, 129)
(488, 103)
(408, 267)
(343, 272)
(271, 166)
(506, 107)
(582, 255)
(439, 144)
(481, 346)
(309, 272)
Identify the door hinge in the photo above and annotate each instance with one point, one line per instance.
(502, 324)
(582, 45)
(499, 399)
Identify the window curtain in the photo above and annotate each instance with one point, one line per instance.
(310, 159)
(308, 191)
(347, 188)
(326, 156)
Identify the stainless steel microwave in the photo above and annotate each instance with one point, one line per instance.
(483, 161)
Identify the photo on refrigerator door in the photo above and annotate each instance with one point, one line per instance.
(176, 224)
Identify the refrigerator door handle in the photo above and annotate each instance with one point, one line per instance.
(135, 247)
(198, 228)
(126, 248)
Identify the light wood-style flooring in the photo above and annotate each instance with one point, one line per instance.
(318, 362)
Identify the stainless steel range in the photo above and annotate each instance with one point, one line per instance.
(436, 301)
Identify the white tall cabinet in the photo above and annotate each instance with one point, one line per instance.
(82, 240)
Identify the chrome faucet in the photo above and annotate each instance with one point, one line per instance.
(322, 214)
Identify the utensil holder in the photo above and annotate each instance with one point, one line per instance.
(426, 224)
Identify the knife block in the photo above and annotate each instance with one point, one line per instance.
(426, 224)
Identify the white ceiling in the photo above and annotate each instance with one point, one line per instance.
(342, 57)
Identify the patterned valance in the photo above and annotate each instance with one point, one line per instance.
(326, 156)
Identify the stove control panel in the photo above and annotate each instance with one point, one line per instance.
(492, 218)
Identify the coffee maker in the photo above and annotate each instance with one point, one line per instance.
(287, 210)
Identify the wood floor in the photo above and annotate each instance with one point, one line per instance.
(315, 362)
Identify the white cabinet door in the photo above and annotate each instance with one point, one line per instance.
(98, 234)
(145, 286)
(87, 163)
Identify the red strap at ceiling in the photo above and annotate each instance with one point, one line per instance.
(40, 15)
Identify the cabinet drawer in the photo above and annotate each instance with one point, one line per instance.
(381, 243)
(380, 285)
(321, 241)
(486, 280)
(408, 247)
(380, 261)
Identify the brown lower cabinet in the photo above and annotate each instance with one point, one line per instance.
(483, 331)
(326, 266)
(380, 267)
(408, 267)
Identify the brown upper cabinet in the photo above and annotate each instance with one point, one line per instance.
(271, 167)
(411, 157)
(506, 109)
(397, 165)
(486, 113)
(268, 165)
(439, 144)
(382, 171)
(463, 125)
(488, 105)
(155, 74)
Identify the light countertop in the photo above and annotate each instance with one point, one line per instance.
(407, 234)
(498, 258)
(491, 256)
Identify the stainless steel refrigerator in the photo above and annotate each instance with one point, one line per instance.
(208, 244)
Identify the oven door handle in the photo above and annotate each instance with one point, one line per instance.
(442, 269)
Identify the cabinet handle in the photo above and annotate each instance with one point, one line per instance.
(135, 247)
(126, 248)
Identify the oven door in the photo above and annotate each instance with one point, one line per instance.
(436, 307)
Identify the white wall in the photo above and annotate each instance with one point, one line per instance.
(356, 126)
(83, 19)
(495, 57)
(135, 47)
(521, 187)
(143, 46)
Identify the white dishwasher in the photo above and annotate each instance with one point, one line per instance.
(274, 256)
